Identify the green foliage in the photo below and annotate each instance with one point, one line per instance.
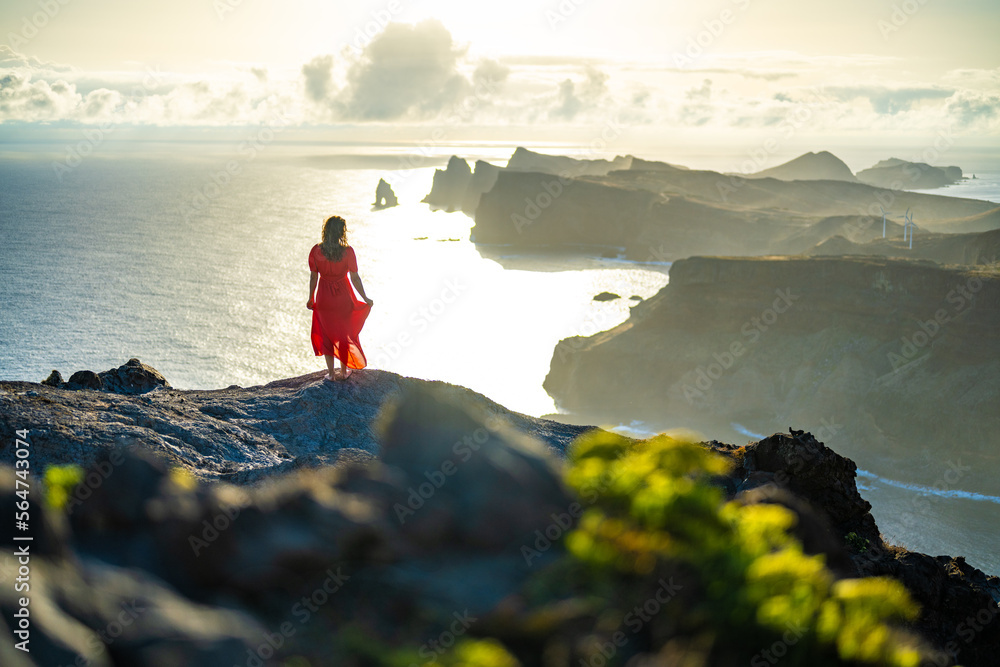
(59, 483)
(856, 543)
(655, 510)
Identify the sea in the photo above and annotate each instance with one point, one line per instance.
(193, 258)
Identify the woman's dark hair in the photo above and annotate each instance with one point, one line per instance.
(334, 238)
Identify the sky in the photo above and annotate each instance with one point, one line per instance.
(853, 70)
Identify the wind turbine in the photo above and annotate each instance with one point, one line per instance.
(883, 220)
(909, 222)
(906, 224)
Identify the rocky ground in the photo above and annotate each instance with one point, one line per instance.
(238, 434)
(415, 537)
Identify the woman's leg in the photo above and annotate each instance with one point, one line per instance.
(344, 351)
(331, 365)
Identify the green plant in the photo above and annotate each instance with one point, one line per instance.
(856, 543)
(659, 512)
(59, 482)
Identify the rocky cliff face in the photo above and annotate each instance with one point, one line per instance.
(668, 213)
(420, 547)
(458, 188)
(869, 345)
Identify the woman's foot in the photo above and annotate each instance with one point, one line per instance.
(327, 378)
(344, 373)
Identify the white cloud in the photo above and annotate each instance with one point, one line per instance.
(406, 71)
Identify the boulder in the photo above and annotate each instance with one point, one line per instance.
(85, 380)
(54, 379)
(133, 377)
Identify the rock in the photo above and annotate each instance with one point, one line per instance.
(85, 380)
(437, 526)
(466, 458)
(636, 297)
(384, 196)
(607, 296)
(459, 189)
(449, 187)
(239, 435)
(147, 565)
(84, 611)
(54, 379)
(818, 484)
(134, 377)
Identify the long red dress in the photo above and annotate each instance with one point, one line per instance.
(338, 314)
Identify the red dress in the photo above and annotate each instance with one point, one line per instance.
(338, 314)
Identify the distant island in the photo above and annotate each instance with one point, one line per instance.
(656, 211)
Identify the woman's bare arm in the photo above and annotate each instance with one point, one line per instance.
(356, 281)
(313, 277)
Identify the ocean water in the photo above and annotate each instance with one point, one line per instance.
(985, 186)
(151, 251)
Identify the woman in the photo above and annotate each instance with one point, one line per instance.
(338, 315)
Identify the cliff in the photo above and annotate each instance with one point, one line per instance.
(896, 174)
(458, 188)
(526, 160)
(668, 213)
(453, 535)
(822, 166)
(869, 344)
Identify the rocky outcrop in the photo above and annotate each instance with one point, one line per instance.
(153, 567)
(822, 166)
(131, 378)
(867, 345)
(801, 473)
(236, 434)
(384, 196)
(450, 185)
(339, 565)
(896, 174)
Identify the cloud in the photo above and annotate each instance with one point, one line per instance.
(571, 101)
(9, 58)
(406, 71)
(490, 72)
(318, 74)
(886, 100)
(970, 108)
(24, 99)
